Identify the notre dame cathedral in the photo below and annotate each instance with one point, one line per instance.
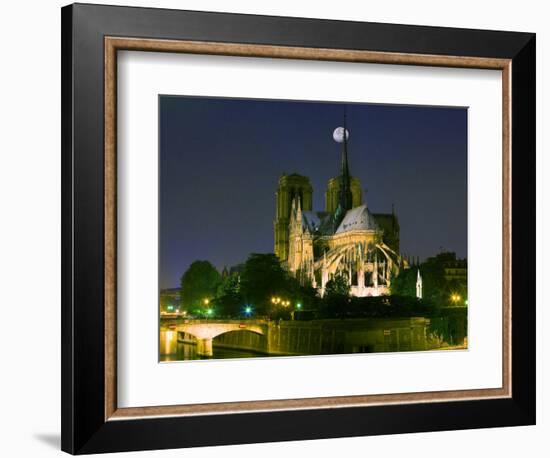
(345, 239)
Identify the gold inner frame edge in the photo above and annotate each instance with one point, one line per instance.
(114, 44)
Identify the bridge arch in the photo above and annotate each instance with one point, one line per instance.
(205, 331)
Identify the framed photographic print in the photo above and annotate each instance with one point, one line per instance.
(281, 228)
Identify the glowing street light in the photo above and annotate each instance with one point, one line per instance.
(206, 301)
(277, 300)
(298, 305)
(248, 310)
(455, 298)
(209, 311)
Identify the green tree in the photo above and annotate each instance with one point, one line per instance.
(337, 286)
(199, 282)
(263, 278)
(405, 283)
(336, 298)
(435, 287)
(229, 300)
(303, 293)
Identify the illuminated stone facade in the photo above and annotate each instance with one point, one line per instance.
(333, 191)
(290, 186)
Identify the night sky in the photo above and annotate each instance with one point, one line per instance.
(220, 160)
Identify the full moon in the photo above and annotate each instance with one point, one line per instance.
(338, 134)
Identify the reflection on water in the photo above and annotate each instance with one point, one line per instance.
(172, 350)
(168, 343)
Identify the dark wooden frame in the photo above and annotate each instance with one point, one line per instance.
(91, 35)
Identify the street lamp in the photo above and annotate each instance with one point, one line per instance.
(277, 300)
(206, 301)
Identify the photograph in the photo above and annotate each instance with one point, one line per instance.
(293, 228)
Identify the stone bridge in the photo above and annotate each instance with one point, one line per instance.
(206, 330)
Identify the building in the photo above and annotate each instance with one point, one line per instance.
(346, 238)
(456, 269)
(170, 300)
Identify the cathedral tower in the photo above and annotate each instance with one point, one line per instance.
(289, 187)
(333, 191)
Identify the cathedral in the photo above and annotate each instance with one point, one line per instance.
(345, 239)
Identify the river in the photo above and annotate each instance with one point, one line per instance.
(185, 351)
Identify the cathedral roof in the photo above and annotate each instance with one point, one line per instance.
(317, 222)
(358, 218)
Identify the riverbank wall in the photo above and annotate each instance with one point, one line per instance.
(322, 337)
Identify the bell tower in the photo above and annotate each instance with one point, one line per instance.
(289, 187)
(333, 191)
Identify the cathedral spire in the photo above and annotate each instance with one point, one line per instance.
(345, 198)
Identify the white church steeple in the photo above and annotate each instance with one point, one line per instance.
(418, 285)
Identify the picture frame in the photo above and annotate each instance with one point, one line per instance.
(92, 35)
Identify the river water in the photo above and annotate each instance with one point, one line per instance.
(180, 351)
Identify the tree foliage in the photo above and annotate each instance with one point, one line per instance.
(229, 300)
(262, 287)
(337, 286)
(263, 278)
(405, 283)
(200, 281)
(336, 298)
